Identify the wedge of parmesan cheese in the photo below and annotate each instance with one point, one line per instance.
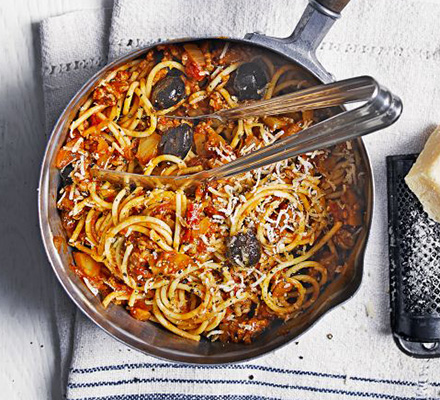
(424, 177)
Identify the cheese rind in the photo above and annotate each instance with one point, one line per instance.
(424, 177)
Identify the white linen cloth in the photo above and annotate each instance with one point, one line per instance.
(350, 353)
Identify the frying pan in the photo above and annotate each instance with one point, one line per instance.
(147, 337)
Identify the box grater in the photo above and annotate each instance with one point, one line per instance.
(414, 252)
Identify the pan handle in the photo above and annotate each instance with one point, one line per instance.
(317, 19)
(334, 5)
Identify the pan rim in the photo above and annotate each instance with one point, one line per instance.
(122, 335)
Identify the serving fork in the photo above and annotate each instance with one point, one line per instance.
(380, 109)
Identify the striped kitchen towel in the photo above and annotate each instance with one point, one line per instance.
(350, 353)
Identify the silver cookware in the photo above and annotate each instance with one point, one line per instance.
(148, 337)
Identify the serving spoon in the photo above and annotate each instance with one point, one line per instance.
(380, 110)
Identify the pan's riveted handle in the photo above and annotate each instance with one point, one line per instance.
(334, 5)
(301, 45)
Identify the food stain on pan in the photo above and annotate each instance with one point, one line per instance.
(60, 244)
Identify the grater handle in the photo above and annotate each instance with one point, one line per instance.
(418, 349)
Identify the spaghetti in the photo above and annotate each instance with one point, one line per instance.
(227, 260)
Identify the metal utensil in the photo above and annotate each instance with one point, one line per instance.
(381, 110)
(315, 97)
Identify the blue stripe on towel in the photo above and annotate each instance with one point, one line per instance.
(241, 382)
(241, 367)
(180, 396)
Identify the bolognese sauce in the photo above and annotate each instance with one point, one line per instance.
(227, 260)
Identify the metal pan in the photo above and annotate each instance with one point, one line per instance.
(148, 337)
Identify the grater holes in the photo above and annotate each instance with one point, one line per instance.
(418, 241)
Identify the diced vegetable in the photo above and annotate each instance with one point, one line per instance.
(148, 148)
(140, 314)
(195, 54)
(204, 226)
(215, 140)
(195, 71)
(199, 141)
(63, 158)
(169, 263)
(87, 264)
(274, 122)
(193, 215)
(292, 129)
(307, 115)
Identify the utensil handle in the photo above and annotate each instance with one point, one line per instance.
(316, 97)
(382, 109)
(334, 5)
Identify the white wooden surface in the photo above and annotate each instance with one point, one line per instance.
(28, 348)
(28, 345)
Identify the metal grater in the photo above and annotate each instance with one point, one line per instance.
(414, 252)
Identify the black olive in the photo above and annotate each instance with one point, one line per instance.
(243, 249)
(203, 83)
(325, 113)
(224, 135)
(158, 56)
(252, 310)
(168, 92)
(177, 141)
(249, 81)
(175, 72)
(215, 44)
(65, 175)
